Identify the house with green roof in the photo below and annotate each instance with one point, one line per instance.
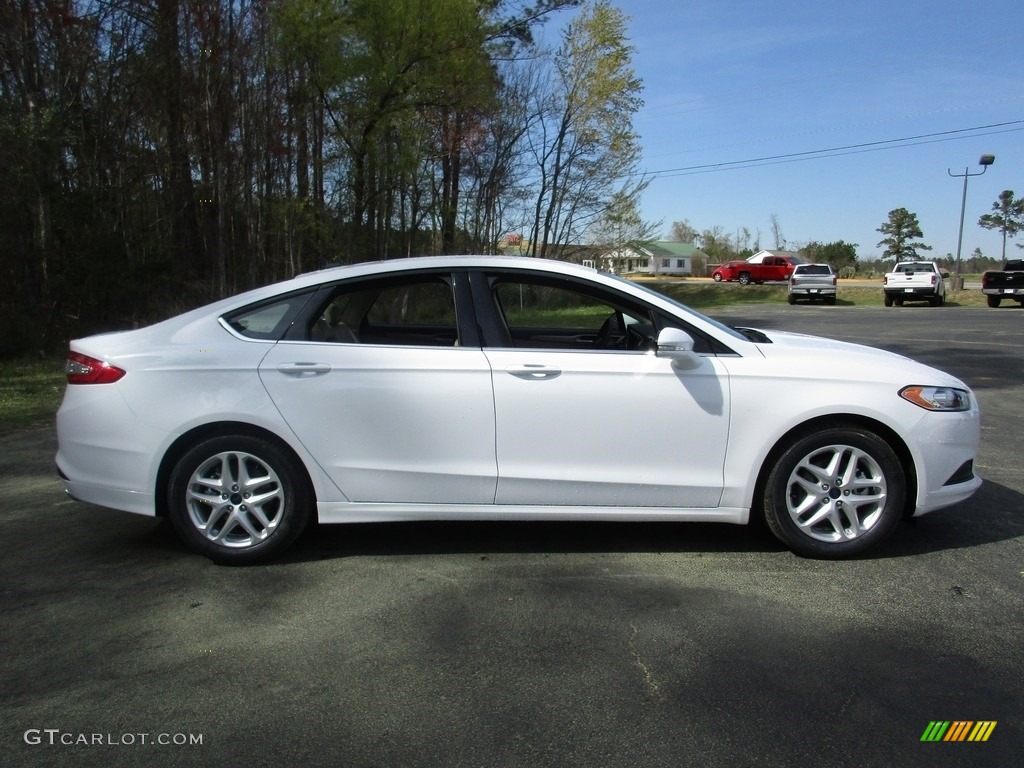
(664, 257)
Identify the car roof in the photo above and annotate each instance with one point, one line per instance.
(394, 266)
(439, 262)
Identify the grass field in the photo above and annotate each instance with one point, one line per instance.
(31, 388)
(705, 295)
(30, 391)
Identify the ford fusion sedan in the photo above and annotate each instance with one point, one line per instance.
(468, 388)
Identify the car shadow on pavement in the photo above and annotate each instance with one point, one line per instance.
(530, 537)
(995, 513)
(992, 515)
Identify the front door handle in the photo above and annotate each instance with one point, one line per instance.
(304, 369)
(534, 372)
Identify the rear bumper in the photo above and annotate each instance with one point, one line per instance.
(812, 290)
(112, 498)
(1014, 292)
(929, 290)
(105, 456)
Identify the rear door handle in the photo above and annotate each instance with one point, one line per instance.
(534, 372)
(303, 370)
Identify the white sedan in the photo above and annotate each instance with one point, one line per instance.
(458, 388)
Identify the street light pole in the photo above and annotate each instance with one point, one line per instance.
(984, 161)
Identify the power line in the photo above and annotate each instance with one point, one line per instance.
(871, 146)
(835, 127)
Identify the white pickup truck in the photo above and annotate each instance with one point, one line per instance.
(915, 281)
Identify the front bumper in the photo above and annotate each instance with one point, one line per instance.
(948, 450)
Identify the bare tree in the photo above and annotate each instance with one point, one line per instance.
(584, 144)
(780, 241)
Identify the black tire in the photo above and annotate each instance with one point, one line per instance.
(898, 301)
(792, 299)
(995, 301)
(744, 278)
(888, 300)
(808, 508)
(831, 301)
(717, 277)
(255, 514)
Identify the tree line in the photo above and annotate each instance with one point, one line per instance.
(158, 154)
(902, 240)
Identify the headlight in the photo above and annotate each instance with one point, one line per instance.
(938, 398)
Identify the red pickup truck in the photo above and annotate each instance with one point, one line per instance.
(761, 269)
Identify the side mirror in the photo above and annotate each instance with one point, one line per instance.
(677, 345)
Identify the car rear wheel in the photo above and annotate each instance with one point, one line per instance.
(744, 278)
(994, 301)
(888, 300)
(239, 499)
(835, 492)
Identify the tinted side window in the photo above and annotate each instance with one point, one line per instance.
(541, 315)
(414, 311)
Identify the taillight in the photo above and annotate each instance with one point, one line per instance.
(82, 369)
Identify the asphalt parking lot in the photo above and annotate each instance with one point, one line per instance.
(530, 644)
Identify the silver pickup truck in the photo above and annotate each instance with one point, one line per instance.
(812, 282)
(915, 281)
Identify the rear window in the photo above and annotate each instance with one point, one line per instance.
(814, 269)
(923, 266)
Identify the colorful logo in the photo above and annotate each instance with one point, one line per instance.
(958, 730)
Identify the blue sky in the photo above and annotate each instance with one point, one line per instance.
(737, 80)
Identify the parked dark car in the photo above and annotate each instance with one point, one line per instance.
(1007, 283)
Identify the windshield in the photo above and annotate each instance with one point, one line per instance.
(724, 328)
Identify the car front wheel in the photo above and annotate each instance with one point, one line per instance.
(238, 499)
(835, 492)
